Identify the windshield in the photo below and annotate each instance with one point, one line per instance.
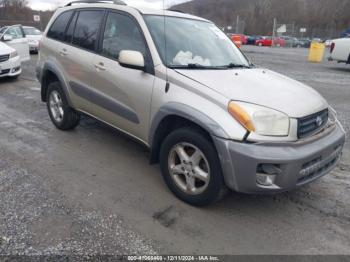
(31, 31)
(189, 43)
(2, 30)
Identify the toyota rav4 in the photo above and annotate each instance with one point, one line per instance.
(177, 83)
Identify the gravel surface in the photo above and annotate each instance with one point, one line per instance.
(91, 191)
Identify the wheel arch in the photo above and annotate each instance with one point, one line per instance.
(175, 115)
(51, 73)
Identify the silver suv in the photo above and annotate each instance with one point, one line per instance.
(177, 84)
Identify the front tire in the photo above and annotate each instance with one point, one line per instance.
(191, 168)
(61, 114)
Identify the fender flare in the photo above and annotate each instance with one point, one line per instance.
(184, 111)
(51, 67)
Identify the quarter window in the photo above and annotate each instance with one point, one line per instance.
(59, 26)
(87, 28)
(121, 33)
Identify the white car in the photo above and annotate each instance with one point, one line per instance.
(14, 37)
(340, 50)
(34, 36)
(10, 64)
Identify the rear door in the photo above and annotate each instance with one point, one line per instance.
(75, 52)
(18, 42)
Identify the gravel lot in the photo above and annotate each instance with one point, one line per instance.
(91, 191)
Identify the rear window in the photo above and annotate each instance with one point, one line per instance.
(87, 28)
(59, 26)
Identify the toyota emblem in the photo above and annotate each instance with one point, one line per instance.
(319, 121)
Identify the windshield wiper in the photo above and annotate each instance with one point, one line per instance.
(233, 65)
(194, 66)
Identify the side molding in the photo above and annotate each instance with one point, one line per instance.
(104, 101)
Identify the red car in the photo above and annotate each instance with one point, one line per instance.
(267, 41)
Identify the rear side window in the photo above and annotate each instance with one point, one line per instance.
(87, 28)
(59, 26)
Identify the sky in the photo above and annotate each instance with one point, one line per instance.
(53, 4)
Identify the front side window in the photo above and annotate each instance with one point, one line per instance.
(121, 33)
(87, 28)
(59, 26)
(188, 43)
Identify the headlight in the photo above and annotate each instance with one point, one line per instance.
(13, 54)
(261, 120)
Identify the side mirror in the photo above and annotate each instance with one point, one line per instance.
(132, 59)
(7, 38)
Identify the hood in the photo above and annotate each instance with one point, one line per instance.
(5, 49)
(262, 87)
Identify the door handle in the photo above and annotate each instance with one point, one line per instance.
(63, 52)
(100, 66)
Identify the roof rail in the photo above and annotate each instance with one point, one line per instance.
(116, 2)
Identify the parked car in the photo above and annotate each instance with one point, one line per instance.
(316, 40)
(305, 42)
(14, 37)
(345, 34)
(209, 117)
(252, 39)
(10, 64)
(340, 50)
(291, 41)
(34, 36)
(267, 41)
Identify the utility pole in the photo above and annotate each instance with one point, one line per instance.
(237, 24)
(273, 32)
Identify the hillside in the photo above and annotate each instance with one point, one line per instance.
(320, 17)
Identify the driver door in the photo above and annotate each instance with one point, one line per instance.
(18, 42)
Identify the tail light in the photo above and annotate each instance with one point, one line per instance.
(332, 47)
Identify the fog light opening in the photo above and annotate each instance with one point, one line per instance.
(265, 180)
(266, 174)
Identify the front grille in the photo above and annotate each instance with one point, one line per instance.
(312, 123)
(4, 72)
(4, 58)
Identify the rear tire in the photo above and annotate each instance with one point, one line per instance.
(194, 175)
(61, 114)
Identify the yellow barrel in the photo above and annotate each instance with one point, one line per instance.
(316, 53)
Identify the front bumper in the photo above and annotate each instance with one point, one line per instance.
(33, 46)
(299, 163)
(10, 68)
